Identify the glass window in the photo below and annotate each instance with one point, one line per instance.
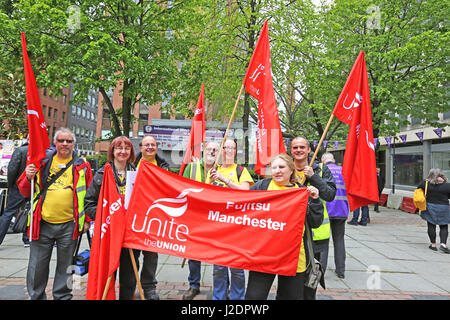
(441, 160)
(74, 110)
(408, 169)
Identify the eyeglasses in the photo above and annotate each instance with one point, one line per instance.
(122, 148)
(64, 140)
(211, 149)
(148, 145)
(229, 148)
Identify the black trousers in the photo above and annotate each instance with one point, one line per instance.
(289, 288)
(338, 233)
(443, 232)
(127, 278)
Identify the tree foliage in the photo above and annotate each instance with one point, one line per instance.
(163, 50)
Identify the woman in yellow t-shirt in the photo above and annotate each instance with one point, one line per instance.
(289, 288)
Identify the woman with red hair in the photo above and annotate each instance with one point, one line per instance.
(121, 157)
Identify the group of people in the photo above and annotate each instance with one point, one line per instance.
(66, 196)
(286, 173)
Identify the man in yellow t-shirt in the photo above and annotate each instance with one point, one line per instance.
(58, 215)
(58, 204)
(229, 175)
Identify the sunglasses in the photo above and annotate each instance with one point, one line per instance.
(64, 140)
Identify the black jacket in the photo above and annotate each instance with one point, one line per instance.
(325, 183)
(17, 165)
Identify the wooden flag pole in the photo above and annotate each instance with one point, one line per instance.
(228, 127)
(105, 291)
(318, 146)
(136, 273)
(221, 145)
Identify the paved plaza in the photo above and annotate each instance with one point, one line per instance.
(388, 259)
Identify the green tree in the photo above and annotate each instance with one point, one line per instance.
(12, 107)
(98, 45)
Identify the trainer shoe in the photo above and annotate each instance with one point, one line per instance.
(444, 249)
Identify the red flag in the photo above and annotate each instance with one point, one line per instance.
(37, 130)
(198, 221)
(359, 167)
(106, 246)
(197, 136)
(258, 83)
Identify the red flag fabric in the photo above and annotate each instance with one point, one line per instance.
(197, 136)
(198, 221)
(106, 245)
(37, 130)
(359, 167)
(258, 83)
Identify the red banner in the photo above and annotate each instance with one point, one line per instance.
(253, 230)
(106, 246)
(197, 136)
(258, 83)
(37, 130)
(359, 167)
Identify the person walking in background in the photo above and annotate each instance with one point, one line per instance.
(438, 211)
(338, 210)
(380, 182)
(14, 199)
(364, 216)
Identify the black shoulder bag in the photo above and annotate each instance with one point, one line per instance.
(21, 221)
(314, 270)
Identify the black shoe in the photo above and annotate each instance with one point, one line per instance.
(340, 275)
(362, 224)
(432, 248)
(150, 294)
(352, 223)
(444, 249)
(190, 294)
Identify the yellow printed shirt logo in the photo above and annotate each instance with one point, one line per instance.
(58, 203)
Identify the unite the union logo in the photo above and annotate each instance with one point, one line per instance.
(166, 204)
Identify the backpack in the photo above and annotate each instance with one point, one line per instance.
(419, 197)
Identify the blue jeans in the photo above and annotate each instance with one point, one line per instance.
(221, 282)
(364, 215)
(194, 274)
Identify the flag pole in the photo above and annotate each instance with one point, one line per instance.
(228, 127)
(133, 262)
(105, 290)
(31, 210)
(302, 181)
